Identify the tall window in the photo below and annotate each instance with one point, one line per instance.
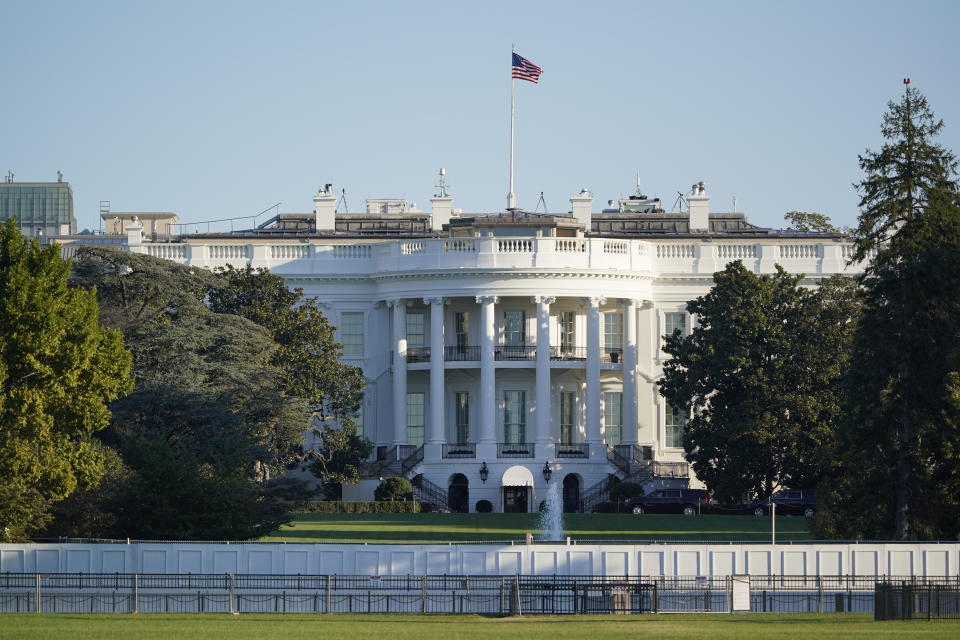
(613, 417)
(358, 419)
(514, 334)
(613, 332)
(675, 422)
(515, 417)
(351, 333)
(462, 404)
(414, 330)
(674, 322)
(566, 417)
(415, 419)
(462, 329)
(567, 338)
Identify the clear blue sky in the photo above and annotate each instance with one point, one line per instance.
(220, 109)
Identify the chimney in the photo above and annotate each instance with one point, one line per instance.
(699, 203)
(324, 207)
(581, 205)
(440, 209)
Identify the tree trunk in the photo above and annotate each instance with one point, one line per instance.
(902, 512)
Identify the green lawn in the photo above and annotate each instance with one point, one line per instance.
(486, 527)
(402, 627)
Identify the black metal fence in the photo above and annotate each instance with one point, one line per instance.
(908, 599)
(490, 595)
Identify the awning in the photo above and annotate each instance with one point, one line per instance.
(517, 476)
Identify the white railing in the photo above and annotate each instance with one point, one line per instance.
(736, 251)
(514, 245)
(351, 251)
(227, 251)
(409, 248)
(463, 245)
(567, 245)
(799, 251)
(847, 251)
(675, 251)
(167, 251)
(611, 246)
(289, 251)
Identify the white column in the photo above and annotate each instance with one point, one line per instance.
(488, 396)
(630, 372)
(399, 370)
(593, 373)
(543, 373)
(437, 431)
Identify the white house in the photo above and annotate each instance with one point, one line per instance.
(504, 351)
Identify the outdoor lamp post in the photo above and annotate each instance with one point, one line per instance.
(484, 472)
(547, 471)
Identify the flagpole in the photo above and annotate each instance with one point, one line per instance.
(511, 198)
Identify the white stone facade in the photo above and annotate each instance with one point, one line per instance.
(498, 346)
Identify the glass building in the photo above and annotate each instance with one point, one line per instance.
(44, 208)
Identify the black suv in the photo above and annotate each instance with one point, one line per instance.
(788, 501)
(686, 501)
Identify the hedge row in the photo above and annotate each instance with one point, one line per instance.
(338, 506)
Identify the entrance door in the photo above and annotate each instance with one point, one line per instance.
(571, 493)
(458, 494)
(515, 499)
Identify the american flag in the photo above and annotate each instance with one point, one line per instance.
(525, 70)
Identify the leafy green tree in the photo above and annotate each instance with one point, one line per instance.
(759, 376)
(308, 357)
(810, 221)
(900, 476)
(58, 370)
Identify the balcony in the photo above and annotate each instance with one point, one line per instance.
(465, 450)
(418, 354)
(465, 353)
(577, 354)
(515, 449)
(611, 355)
(515, 352)
(572, 450)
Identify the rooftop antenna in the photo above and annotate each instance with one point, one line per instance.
(734, 204)
(680, 201)
(539, 202)
(442, 184)
(343, 199)
(639, 193)
(59, 175)
(10, 175)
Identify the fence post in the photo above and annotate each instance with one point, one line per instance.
(819, 594)
(326, 601)
(37, 606)
(135, 596)
(423, 594)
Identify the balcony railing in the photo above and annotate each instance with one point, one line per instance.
(572, 450)
(461, 353)
(465, 450)
(515, 352)
(418, 354)
(568, 353)
(611, 355)
(515, 450)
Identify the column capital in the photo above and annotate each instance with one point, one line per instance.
(630, 302)
(647, 304)
(595, 301)
(435, 300)
(543, 299)
(488, 299)
(399, 302)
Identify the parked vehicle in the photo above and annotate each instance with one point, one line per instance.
(788, 501)
(686, 501)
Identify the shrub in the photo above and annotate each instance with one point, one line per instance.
(394, 489)
(484, 506)
(623, 491)
(337, 506)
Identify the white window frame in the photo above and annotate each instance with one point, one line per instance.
(352, 333)
(613, 417)
(674, 425)
(416, 417)
(515, 432)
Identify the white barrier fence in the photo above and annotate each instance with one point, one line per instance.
(814, 559)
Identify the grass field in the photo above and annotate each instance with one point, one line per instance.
(402, 627)
(487, 527)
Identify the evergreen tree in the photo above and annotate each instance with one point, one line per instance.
(58, 370)
(899, 460)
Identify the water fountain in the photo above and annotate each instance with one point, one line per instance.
(551, 519)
